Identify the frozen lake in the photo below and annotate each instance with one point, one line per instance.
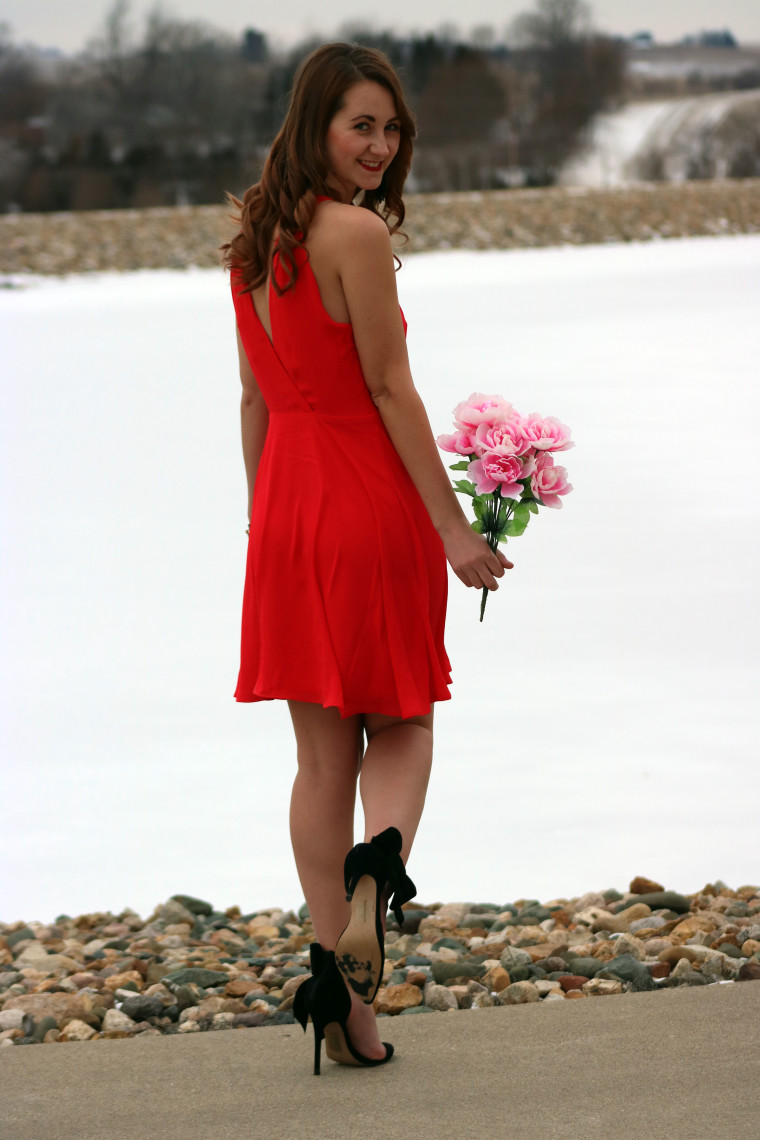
(603, 720)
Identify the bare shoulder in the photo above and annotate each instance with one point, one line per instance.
(350, 255)
(345, 227)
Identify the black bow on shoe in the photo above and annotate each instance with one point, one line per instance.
(303, 995)
(368, 869)
(389, 842)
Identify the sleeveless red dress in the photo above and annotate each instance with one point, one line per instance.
(346, 582)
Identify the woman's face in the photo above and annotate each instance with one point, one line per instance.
(362, 139)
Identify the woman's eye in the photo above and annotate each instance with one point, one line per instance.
(392, 127)
(360, 126)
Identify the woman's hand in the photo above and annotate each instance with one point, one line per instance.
(471, 558)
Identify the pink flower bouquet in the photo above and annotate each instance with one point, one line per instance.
(509, 463)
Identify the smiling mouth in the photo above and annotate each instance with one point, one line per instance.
(373, 167)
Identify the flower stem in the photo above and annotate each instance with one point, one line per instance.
(490, 522)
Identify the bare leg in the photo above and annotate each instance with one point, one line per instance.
(395, 773)
(322, 811)
(321, 829)
(394, 776)
(393, 781)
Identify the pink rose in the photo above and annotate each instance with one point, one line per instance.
(497, 469)
(507, 437)
(480, 409)
(460, 442)
(549, 482)
(546, 433)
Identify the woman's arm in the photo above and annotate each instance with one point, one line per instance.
(254, 420)
(365, 266)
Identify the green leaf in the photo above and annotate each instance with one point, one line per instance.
(461, 466)
(532, 506)
(477, 526)
(464, 487)
(502, 538)
(522, 514)
(515, 527)
(479, 508)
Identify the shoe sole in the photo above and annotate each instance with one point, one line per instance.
(357, 953)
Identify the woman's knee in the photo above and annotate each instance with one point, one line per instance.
(380, 722)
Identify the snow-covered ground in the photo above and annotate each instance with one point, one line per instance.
(604, 716)
(678, 130)
(614, 138)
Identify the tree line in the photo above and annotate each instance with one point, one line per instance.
(184, 111)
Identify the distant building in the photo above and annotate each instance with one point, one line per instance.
(719, 39)
(642, 40)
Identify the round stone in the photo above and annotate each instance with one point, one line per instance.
(572, 982)
(517, 963)
(392, 999)
(519, 993)
(626, 968)
(440, 998)
(11, 1019)
(643, 886)
(585, 966)
(197, 975)
(141, 1007)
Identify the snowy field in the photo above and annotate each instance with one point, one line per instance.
(681, 130)
(604, 717)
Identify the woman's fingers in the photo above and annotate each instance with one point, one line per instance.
(487, 578)
(473, 561)
(485, 571)
(494, 567)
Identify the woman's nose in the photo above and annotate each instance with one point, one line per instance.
(379, 146)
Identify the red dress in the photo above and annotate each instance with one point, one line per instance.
(346, 582)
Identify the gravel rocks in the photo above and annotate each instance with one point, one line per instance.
(189, 968)
(185, 236)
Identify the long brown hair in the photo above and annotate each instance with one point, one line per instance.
(296, 168)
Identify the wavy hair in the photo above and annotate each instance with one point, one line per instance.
(296, 168)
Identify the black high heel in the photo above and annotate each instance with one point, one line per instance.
(360, 950)
(325, 998)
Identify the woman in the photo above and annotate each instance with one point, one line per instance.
(352, 518)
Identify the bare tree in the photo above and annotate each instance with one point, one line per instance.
(553, 24)
(567, 74)
(112, 50)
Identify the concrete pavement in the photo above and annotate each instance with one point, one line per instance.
(682, 1064)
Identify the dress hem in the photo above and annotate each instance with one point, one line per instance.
(344, 710)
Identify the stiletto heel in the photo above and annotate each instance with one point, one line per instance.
(325, 999)
(368, 869)
(317, 1051)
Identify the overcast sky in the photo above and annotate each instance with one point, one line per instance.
(67, 25)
